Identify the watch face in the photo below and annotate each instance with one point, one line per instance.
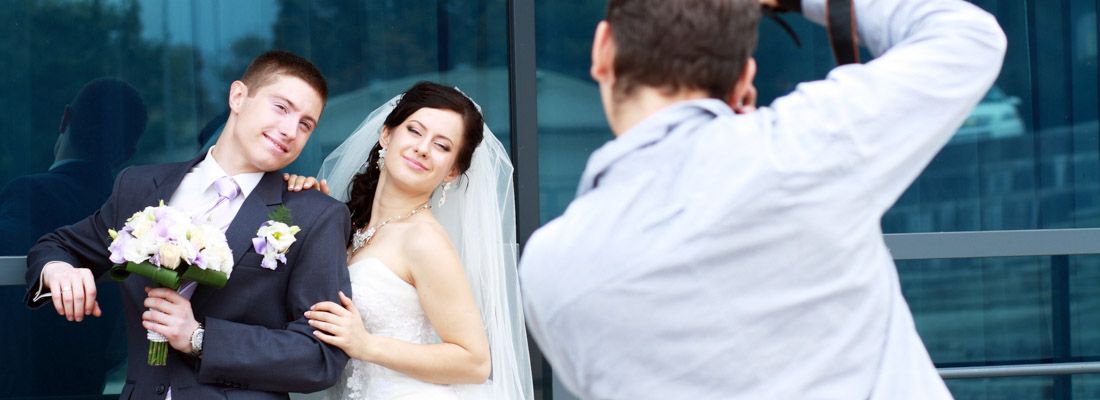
(196, 340)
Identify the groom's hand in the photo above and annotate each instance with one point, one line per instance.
(170, 314)
(72, 290)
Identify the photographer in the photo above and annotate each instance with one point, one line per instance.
(714, 254)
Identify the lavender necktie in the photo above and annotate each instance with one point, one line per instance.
(218, 214)
(227, 191)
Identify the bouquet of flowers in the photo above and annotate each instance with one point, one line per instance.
(165, 245)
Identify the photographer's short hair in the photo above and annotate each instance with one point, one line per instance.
(682, 44)
(263, 70)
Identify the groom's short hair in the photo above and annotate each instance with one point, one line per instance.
(263, 70)
(682, 44)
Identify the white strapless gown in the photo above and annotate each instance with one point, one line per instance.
(390, 307)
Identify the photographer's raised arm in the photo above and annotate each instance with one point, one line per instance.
(890, 116)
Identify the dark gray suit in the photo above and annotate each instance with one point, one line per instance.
(257, 342)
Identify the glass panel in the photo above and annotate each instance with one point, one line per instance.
(1030, 388)
(1027, 388)
(1027, 156)
(978, 311)
(1084, 307)
(180, 57)
(1086, 387)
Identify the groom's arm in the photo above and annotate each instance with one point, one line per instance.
(80, 245)
(290, 359)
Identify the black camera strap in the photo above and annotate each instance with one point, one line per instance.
(842, 31)
(840, 23)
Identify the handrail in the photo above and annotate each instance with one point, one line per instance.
(12, 270)
(1001, 371)
(978, 244)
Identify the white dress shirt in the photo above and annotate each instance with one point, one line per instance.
(196, 194)
(710, 255)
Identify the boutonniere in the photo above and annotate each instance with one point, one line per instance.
(274, 237)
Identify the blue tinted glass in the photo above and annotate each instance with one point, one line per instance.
(1084, 306)
(179, 57)
(1031, 388)
(1026, 157)
(981, 311)
(1027, 388)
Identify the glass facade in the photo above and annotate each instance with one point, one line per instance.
(180, 57)
(1028, 157)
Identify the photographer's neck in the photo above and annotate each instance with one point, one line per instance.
(626, 112)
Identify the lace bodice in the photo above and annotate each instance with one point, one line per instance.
(389, 307)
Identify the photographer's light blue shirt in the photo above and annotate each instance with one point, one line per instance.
(710, 255)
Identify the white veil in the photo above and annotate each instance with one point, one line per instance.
(479, 215)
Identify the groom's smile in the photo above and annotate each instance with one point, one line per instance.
(269, 125)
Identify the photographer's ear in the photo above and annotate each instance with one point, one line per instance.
(603, 54)
(742, 98)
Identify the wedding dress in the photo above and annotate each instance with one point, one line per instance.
(390, 307)
(479, 218)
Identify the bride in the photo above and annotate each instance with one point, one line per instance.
(428, 321)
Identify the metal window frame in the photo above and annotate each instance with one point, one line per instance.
(1058, 244)
(523, 110)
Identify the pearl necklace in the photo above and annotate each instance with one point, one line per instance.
(363, 237)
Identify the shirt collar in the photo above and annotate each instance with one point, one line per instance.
(652, 129)
(209, 171)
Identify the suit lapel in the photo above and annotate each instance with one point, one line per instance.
(164, 186)
(253, 213)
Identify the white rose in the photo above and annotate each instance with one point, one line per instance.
(142, 223)
(134, 252)
(279, 235)
(170, 256)
(219, 258)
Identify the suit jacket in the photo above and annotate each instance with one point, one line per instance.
(257, 344)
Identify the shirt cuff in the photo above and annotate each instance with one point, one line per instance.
(38, 294)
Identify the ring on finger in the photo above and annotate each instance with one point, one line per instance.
(67, 289)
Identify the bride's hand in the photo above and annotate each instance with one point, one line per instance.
(340, 326)
(296, 183)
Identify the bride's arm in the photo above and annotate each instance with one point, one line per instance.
(445, 295)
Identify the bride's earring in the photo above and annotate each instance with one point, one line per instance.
(443, 196)
(381, 157)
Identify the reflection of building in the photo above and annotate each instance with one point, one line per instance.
(996, 173)
(995, 117)
(1006, 182)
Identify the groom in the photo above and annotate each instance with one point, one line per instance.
(250, 336)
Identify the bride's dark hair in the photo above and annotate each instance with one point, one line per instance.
(420, 95)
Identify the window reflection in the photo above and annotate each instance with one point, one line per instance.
(181, 56)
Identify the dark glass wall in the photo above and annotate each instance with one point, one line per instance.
(1026, 158)
(180, 57)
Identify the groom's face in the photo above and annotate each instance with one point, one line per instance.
(273, 121)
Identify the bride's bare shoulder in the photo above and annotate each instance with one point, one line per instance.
(426, 243)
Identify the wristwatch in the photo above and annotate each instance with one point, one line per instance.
(196, 341)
